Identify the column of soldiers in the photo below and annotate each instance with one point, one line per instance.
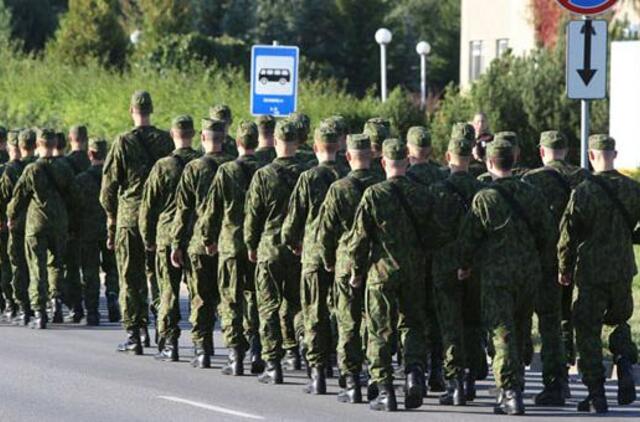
(360, 236)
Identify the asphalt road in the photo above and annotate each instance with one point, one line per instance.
(72, 373)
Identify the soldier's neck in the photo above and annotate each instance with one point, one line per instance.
(265, 142)
(455, 168)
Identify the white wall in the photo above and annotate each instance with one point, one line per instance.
(624, 111)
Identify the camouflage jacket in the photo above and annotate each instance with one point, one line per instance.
(11, 172)
(190, 199)
(48, 193)
(453, 198)
(78, 160)
(500, 238)
(265, 155)
(517, 171)
(425, 173)
(229, 147)
(596, 242)
(126, 169)
(93, 221)
(223, 219)
(336, 218)
(4, 156)
(267, 204)
(384, 238)
(376, 167)
(158, 205)
(300, 227)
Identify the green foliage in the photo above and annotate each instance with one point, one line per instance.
(5, 25)
(165, 17)
(33, 22)
(91, 31)
(402, 111)
(454, 109)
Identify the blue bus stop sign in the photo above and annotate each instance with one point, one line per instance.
(587, 7)
(274, 80)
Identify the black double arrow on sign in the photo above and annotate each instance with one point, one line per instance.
(587, 73)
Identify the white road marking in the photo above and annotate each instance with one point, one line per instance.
(211, 407)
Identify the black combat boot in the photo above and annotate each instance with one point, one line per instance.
(626, 383)
(272, 374)
(318, 383)
(470, 386)
(169, 353)
(455, 395)
(113, 308)
(255, 353)
(93, 318)
(201, 359)
(75, 315)
(509, 402)
(56, 311)
(386, 400)
(291, 360)
(24, 317)
(436, 376)
(372, 390)
(413, 388)
(39, 321)
(551, 395)
(234, 365)
(132, 344)
(596, 400)
(566, 389)
(144, 336)
(351, 392)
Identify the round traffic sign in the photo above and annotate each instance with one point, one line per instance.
(587, 7)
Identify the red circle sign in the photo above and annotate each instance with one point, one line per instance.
(587, 7)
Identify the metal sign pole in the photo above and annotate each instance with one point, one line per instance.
(585, 119)
(383, 72)
(423, 81)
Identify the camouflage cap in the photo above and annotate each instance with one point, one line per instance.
(302, 123)
(381, 121)
(12, 138)
(213, 125)
(286, 131)
(394, 149)
(266, 122)
(98, 145)
(377, 132)
(500, 148)
(358, 141)
(183, 122)
(510, 137)
(553, 139)
(339, 124)
(247, 134)
(27, 139)
(602, 142)
(221, 112)
(460, 146)
(463, 130)
(45, 134)
(79, 131)
(419, 136)
(326, 134)
(141, 100)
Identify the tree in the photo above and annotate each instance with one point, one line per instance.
(33, 22)
(5, 26)
(91, 31)
(166, 17)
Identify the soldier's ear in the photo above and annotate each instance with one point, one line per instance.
(448, 156)
(541, 152)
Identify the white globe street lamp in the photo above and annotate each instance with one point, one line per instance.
(135, 37)
(423, 48)
(383, 37)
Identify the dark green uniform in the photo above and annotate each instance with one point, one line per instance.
(265, 155)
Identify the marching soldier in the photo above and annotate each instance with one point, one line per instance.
(377, 133)
(266, 152)
(223, 112)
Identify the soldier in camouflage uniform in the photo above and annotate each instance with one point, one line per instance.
(45, 192)
(387, 245)
(157, 211)
(201, 268)
(518, 169)
(266, 152)
(596, 252)
(125, 171)
(277, 278)
(510, 223)
(222, 228)
(223, 112)
(334, 223)
(554, 180)
(305, 151)
(299, 234)
(458, 303)
(425, 172)
(339, 124)
(10, 306)
(377, 133)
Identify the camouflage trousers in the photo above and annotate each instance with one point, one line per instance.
(5, 268)
(548, 310)
(72, 282)
(90, 269)
(235, 276)
(251, 320)
(458, 308)
(609, 304)
(568, 337)
(45, 258)
(152, 282)
(386, 300)
(507, 310)
(433, 335)
(169, 279)
(110, 269)
(314, 295)
(130, 256)
(202, 279)
(349, 304)
(278, 300)
(19, 269)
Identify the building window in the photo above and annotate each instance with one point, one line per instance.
(475, 60)
(502, 45)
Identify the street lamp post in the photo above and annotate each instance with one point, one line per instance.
(383, 37)
(423, 49)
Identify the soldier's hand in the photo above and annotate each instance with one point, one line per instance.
(9, 224)
(463, 274)
(297, 251)
(330, 269)
(111, 244)
(355, 281)
(565, 279)
(151, 248)
(211, 249)
(252, 255)
(177, 259)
